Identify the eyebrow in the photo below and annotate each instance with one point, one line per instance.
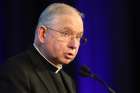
(69, 29)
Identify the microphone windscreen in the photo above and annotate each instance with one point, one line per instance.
(85, 71)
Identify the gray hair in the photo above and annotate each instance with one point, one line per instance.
(56, 9)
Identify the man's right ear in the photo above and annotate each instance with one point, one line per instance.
(41, 30)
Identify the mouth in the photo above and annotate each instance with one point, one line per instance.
(69, 56)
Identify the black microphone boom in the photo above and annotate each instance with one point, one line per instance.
(85, 72)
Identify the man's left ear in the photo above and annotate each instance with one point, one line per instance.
(41, 33)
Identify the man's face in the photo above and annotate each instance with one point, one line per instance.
(62, 39)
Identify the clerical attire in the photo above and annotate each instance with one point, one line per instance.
(30, 72)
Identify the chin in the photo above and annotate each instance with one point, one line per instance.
(66, 62)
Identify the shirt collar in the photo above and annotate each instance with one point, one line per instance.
(59, 66)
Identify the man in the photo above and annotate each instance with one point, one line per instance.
(56, 43)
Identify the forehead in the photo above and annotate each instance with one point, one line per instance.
(68, 22)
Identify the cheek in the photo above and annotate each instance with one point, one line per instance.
(57, 48)
(76, 51)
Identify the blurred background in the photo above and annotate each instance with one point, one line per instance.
(112, 51)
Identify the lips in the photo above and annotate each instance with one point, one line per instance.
(69, 55)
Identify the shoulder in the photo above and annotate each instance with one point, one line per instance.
(17, 68)
(15, 72)
(19, 58)
(17, 64)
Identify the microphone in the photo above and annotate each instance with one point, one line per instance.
(85, 72)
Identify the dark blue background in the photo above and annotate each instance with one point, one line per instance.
(111, 27)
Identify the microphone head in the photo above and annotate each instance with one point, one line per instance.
(85, 71)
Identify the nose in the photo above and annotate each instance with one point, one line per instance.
(73, 44)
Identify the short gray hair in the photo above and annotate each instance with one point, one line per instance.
(54, 10)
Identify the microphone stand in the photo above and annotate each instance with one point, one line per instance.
(85, 72)
(102, 82)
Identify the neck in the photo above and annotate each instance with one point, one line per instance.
(58, 66)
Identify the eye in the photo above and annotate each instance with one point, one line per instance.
(65, 34)
(79, 36)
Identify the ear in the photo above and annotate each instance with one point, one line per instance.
(41, 33)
